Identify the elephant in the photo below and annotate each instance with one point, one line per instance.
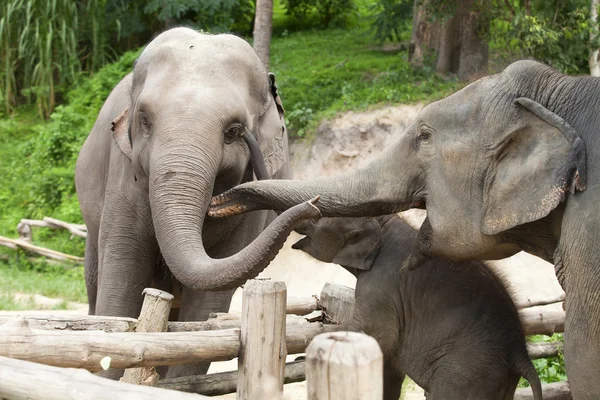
(450, 326)
(193, 119)
(510, 162)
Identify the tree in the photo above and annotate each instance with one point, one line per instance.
(594, 51)
(455, 31)
(263, 26)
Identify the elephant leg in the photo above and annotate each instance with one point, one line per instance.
(582, 332)
(196, 306)
(392, 382)
(90, 270)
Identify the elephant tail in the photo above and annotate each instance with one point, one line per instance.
(525, 368)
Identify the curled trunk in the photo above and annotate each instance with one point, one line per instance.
(180, 190)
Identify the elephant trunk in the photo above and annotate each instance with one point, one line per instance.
(381, 187)
(180, 187)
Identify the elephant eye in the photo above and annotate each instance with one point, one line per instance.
(145, 123)
(424, 134)
(233, 133)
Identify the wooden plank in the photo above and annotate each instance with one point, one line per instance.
(262, 339)
(225, 382)
(551, 391)
(344, 365)
(25, 380)
(544, 349)
(52, 254)
(153, 318)
(337, 302)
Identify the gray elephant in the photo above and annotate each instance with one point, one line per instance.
(451, 326)
(192, 120)
(511, 162)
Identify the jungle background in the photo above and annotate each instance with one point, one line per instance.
(59, 60)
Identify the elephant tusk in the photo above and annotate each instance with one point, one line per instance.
(256, 156)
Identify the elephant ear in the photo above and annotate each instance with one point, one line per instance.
(120, 132)
(360, 248)
(535, 167)
(273, 133)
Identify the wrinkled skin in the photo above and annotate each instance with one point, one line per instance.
(168, 137)
(511, 162)
(450, 326)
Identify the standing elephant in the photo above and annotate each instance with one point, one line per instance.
(450, 326)
(511, 162)
(192, 120)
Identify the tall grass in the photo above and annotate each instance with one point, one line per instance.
(40, 52)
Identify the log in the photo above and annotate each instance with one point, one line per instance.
(85, 349)
(542, 320)
(216, 321)
(52, 254)
(544, 349)
(154, 317)
(73, 322)
(225, 382)
(25, 380)
(344, 365)
(75, 230)
(262, 339)
(551, 391)
(337, 302)
(126, 350)
(301, 305)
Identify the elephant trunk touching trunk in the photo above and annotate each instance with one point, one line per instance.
(180, 190)
(375, 189)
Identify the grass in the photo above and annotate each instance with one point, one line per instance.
(18, 276)
(321, 73)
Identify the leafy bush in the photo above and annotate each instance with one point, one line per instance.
(390, 19)
(550, 369)
(328, 12)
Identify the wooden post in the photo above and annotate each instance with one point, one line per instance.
(344, 365)
(154, 317)
(337, 301)
(262, 339)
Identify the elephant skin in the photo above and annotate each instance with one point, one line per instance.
(450, 326)
(511, 162)
(169, 136)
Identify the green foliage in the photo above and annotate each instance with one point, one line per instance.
(325, 12)
(353, 75)
(391, 18)
(39, 50)
(36, 175)
(209, 15)
(550, 369)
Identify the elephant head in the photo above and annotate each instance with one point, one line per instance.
(485, 162)
(194, 99)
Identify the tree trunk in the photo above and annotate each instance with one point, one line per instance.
(263, 25)
(449, 46)
(420, 33)
(473, 42)
(594, 64)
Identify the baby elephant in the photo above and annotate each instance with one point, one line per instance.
(450, 326)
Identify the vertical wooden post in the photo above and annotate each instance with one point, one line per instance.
(344, 365)
(262, 338)
(338, 303)
(154, 317)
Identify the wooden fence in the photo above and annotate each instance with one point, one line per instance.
(38, 352)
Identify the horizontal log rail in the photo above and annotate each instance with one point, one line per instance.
(52, 254)
(85, 349)
(544, 349)
(551, 391)
(27, 380)
(226, 382)
(536, 320)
